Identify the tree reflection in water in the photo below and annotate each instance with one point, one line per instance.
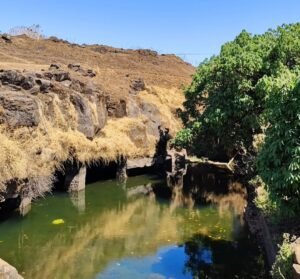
(201, 210)
(216, 257)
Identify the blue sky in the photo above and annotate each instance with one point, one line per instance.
(183, 27)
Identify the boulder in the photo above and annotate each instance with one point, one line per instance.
(6, 38)
(116, 108)
(12, 77)
(74, 67)
(85, 123)
(85, 73)
(54, 39)
(47, 75)
(45, 85)
(61, 76)
(8, 272)
(28, 83)
(54, 67)
(297, 253)
(18, 109)
(17, 80)
(89, 73)
(296, 271)
(147, 52)
(137, 85)
(34, 90)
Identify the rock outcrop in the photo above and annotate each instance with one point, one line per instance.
(8, 272)
(61, 102)
(296, 265)
(18, 109)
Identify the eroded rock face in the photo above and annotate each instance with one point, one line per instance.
(101, 112)
(8, 272)
(17, 78)
(137, 85)
(151, 112)
(84, 114)
(116, 108)
(18, 109)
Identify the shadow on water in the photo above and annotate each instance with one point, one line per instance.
(190, 227)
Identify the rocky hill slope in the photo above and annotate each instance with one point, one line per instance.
(63, 102)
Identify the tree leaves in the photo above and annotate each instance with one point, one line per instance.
(250, 88)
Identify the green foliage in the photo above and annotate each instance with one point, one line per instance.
(282, 268)
(272, 207)
(252, 87)
(183, 138)
(279, 159)
(262, 200)
(227, 98)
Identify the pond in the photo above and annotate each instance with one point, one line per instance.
(144, 228)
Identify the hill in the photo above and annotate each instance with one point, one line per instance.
(65, 102)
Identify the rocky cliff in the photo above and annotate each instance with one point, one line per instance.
(61, 102)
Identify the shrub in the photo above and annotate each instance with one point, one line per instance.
(282, 268)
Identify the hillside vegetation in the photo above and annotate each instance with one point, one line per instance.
(64, 102)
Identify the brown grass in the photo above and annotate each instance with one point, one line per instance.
(38, 152)
(31, 153)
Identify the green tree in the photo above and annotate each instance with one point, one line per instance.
(251, 87)
(225, 102)
(279, 159)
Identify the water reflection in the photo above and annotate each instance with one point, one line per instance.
(146, 229)
(78, 200)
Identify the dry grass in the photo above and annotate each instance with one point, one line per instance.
(31, 153)
(28, 154)
(37, 152)
(167, 101)
(111, 66)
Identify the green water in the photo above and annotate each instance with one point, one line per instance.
(114, 231)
